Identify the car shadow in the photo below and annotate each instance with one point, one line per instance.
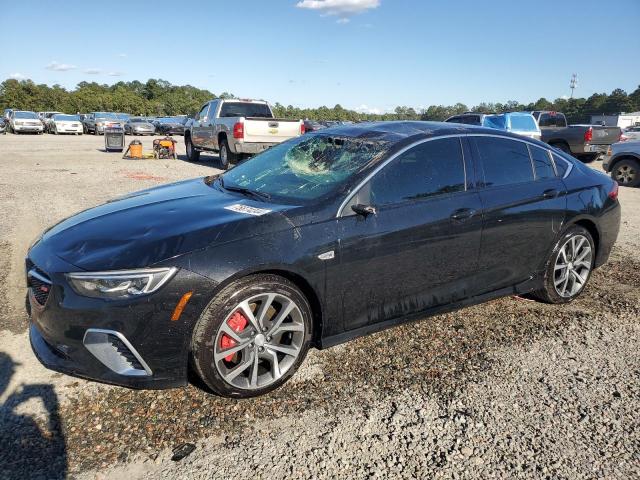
(30, 446)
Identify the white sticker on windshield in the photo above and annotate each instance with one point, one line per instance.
(247, 209)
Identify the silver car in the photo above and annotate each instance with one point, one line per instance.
(139, 126)
(623, 163)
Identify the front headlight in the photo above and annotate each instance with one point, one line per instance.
(120, 284)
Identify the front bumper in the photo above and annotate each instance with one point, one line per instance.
(28, 128)
(63, 333)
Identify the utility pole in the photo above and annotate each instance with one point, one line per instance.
(574, 83)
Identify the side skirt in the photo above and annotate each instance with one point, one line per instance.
(525, 287)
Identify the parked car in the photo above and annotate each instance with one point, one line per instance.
(623, 163)
(237, 128)
(7, 114)
(586, 142)
(21, 121)
(314, 242)
(139, 126)
(95, 122)
(62, 123)
(3, 126)
(171, 125)
(312, 126)
(632, 133)
(45, 116)
(521, 123)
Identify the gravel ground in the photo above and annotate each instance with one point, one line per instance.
(507, 389)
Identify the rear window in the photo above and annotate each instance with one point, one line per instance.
(523, 123)
(552, 120)
(495, 121)
(504, 161)
(244, 109)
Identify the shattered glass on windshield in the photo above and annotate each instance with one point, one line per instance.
(305, 168)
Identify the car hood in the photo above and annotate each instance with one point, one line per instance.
(153, 225)
(142, 125)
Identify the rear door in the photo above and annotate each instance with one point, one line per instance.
(524, 204)
(420, 249)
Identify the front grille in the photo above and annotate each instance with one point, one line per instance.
(125, 352)
(39, 283)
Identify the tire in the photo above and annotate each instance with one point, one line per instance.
(271, 294)
(557, 278)
(192, 154)
(95, 131)
(226, 156)
(627, 172)
(55, 131)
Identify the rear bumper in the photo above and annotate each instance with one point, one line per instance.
(590, 149)
(251, 148)
(609, 227)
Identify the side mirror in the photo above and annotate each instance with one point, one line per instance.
(364, 210)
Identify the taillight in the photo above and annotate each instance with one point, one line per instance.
(613, 193)
(238, 130)
(588, 135)
(302, 129)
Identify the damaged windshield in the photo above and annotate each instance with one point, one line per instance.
(305, 168)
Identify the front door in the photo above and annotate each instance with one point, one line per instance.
(420, 248)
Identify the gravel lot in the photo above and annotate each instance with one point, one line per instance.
(508, 389)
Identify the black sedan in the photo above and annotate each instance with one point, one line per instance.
(316, 241)
(171, 125)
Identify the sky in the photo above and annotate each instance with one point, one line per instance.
(369, 55)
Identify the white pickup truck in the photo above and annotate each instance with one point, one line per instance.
(237, 128)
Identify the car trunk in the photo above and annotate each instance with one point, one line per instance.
(270, 130)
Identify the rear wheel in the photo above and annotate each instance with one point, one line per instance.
(192, 154)
(562, 146)
(569, 267)
(627, 172)
(226, 155)
(252, 337)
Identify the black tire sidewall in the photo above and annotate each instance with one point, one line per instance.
(549, 288)
(206, 330)
(224, 146)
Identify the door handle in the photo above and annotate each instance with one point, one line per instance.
(463, 214)
(551, 193)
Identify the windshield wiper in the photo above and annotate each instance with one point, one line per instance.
(245, 191)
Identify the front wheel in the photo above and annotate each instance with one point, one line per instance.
(569, 267)
(252, 337)
(627, 172)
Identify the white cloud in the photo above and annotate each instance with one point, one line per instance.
(339, 7)
(343, 20)
(17, 76)
(93, 71)
(60, 67)
(122, 55)
(115, 74)
(367, 109)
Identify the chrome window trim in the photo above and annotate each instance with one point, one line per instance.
(393, 157)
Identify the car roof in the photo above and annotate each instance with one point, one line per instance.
(398, 131)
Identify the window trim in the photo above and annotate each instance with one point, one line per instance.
(553, 164)
(376, 170)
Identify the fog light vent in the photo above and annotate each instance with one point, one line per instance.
(115, 352)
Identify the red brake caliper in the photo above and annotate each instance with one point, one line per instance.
(238, 322)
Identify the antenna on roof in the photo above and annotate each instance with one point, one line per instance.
(574, 83)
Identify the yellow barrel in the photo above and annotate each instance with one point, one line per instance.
(135, 149)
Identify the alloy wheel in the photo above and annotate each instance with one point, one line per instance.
(259, 341)
(625, 174)
(573, 265)
(223, 155)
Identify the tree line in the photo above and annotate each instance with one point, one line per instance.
(158, 97)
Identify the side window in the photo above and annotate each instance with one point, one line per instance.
(203, 112)
(431, 168)
(561, 165)
(541, 163)
(504, 161)
(454, 120)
